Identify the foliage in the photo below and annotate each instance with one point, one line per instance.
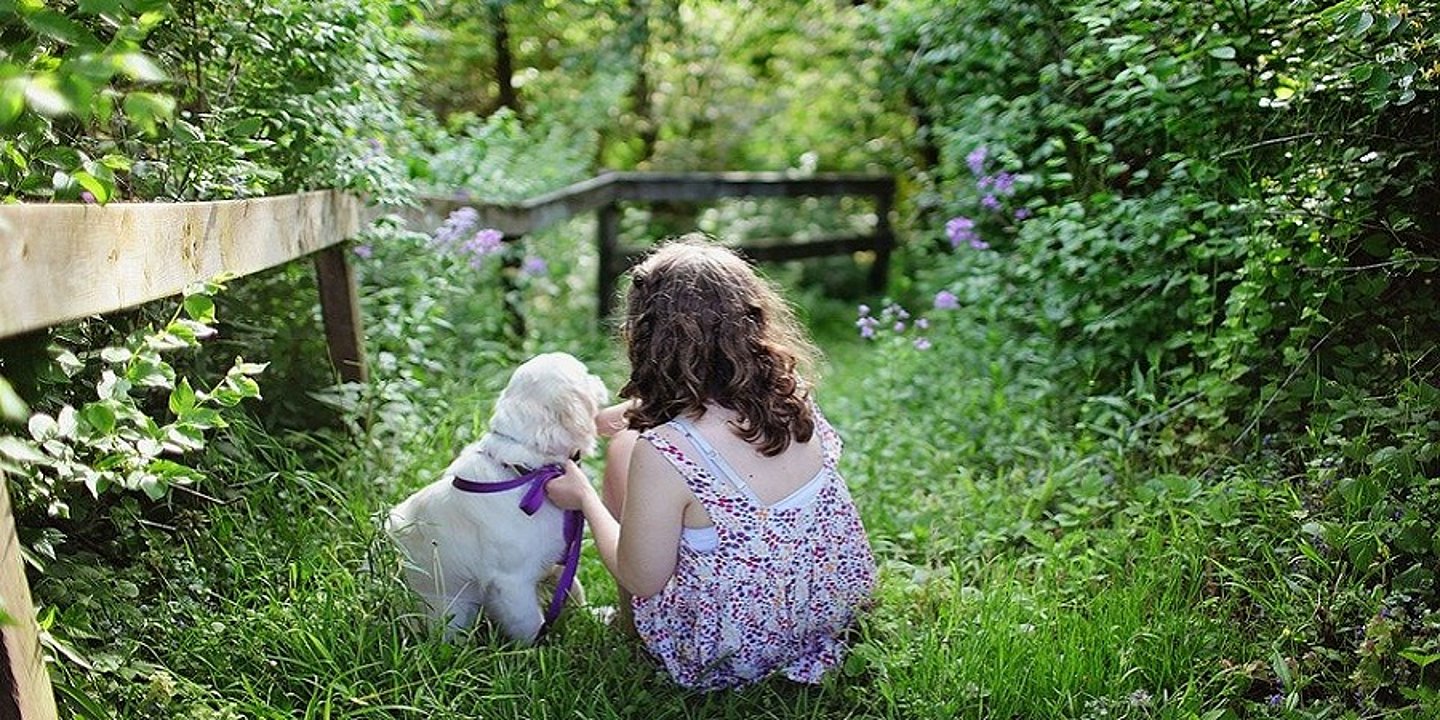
(79, 450)
(1221, 222)
(186, 100)
(62, 72)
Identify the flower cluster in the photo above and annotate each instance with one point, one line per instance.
(534, 266)
(895, 319)
(455, 234)
(962, 229)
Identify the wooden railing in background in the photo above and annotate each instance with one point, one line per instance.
(604, 193)
(61, 262)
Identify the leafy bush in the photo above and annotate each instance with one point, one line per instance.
(78, 451)
(147, 99)
(1225, 237)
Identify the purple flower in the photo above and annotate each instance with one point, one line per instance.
(990, 202)
(922, 324)
(864, 310)
(1275, 700)
(899, 327)
(866, 324)
(961, 230)
(485, 242)
(1022, 213)
(534, 266)
(457, 225)
(946, 300)
(1003, 184)
(87, 197)
(976, 160)
(867, 327)
(922, 343)
(364, 251)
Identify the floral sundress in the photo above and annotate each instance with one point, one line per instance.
(779, 590)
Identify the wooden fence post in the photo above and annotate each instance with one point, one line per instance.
(884, 240)
(608, 240)
(514, 303)
(340, 309)
(23, 679)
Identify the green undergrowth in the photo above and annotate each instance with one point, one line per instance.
(1035, 563)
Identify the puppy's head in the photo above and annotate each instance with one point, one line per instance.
(549, 406)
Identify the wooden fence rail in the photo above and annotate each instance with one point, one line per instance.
(602, 194)
(60, 262)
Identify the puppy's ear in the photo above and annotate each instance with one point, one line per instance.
(574, 418)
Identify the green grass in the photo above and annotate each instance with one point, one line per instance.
(1028, 571)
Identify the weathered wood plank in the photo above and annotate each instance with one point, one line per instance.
(541, 211)
(64, 261)
(29, 695)
(697, 187)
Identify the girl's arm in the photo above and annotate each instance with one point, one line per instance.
(640, 549)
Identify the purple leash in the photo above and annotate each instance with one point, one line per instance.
(574, 526)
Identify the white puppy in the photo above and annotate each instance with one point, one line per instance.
(470, 551)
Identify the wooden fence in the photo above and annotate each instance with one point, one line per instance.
(603, 195)
(61, 262)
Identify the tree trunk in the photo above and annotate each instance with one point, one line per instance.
(504, 63)
(648, 130)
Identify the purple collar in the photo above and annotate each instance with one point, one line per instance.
(530, 503)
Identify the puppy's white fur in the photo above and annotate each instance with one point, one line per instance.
(469, 552)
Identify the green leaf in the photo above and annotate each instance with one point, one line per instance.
(12, 407)
(100, 7)
(1224, 52)
(184, 437)
(68, 363)
(21, 450)
(139, 67)
(44, 96)
(147, 110)
(100, 190)
(12, 99)
(117, 162)
(154, 487)
(1281, 668)
(55, 26)
(200, 308)
(182, 398)
(43, 427)
(1422, 659)
(245, 368)
(1359, 23)
(205, 418)
(100, 416)
(186, 328)
(116, 355)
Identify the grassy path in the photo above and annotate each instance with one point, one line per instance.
(284, 603)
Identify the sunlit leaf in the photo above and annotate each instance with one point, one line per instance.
(140, 67)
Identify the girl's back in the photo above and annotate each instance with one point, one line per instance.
(776, 581)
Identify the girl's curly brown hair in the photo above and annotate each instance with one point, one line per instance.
(702, 326)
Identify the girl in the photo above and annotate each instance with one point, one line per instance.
(736, 535)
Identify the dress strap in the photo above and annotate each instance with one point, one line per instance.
(718, 466)
(830, 442)
(693, 470)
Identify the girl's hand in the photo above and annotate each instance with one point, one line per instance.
(611, 420)
(570, 490)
